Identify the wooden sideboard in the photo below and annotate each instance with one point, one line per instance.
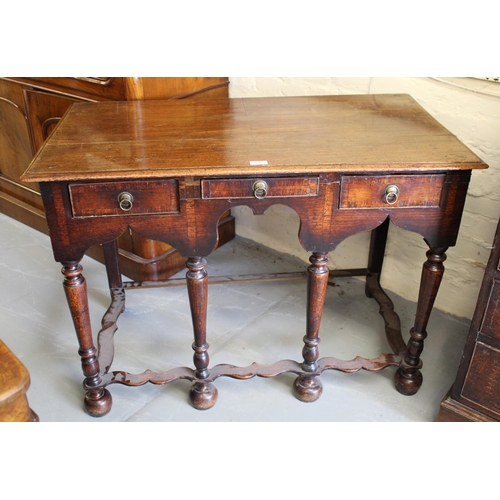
(30, 108)
(475, 395)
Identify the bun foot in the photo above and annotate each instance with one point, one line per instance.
(408, 383)
(203, 395)
(98, 403)
(307, 389)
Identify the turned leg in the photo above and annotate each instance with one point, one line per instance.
(111, 260)
(203, 395)
(408, 377)
(97, 399)
(308, 388)
(378, 242)
(374, 290)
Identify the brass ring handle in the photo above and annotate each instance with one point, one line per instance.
(260, 189)
(391, 194)
(125, 201)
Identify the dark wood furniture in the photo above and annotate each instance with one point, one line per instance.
(30, 108)
(14, 383)
(475, 395)
(345, 164)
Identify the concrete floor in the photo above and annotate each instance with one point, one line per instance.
(261, 322)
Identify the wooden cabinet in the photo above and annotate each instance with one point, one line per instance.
(31, 107)
(475, 395)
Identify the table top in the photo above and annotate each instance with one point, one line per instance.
(247, 136)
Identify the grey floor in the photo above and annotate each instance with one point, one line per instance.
(261, 322)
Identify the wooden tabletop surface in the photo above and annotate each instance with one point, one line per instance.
(247, 136)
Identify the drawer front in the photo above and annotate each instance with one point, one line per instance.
(99, 86)
(105, 199)
(483, 379)
(391, 191)
(491, 319)
(280, 187)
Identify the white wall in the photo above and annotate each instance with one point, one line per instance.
(473, 116)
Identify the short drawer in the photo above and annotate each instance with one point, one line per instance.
(272, 187)
(386, 191)
(481, 384)
(491, 319)
(101, 86)
(104, 199)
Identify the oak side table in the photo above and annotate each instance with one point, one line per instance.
(169, 169)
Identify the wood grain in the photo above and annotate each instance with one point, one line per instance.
(14, 382)
(222, 136)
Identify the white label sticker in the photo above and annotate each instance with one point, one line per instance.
(259, 162)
